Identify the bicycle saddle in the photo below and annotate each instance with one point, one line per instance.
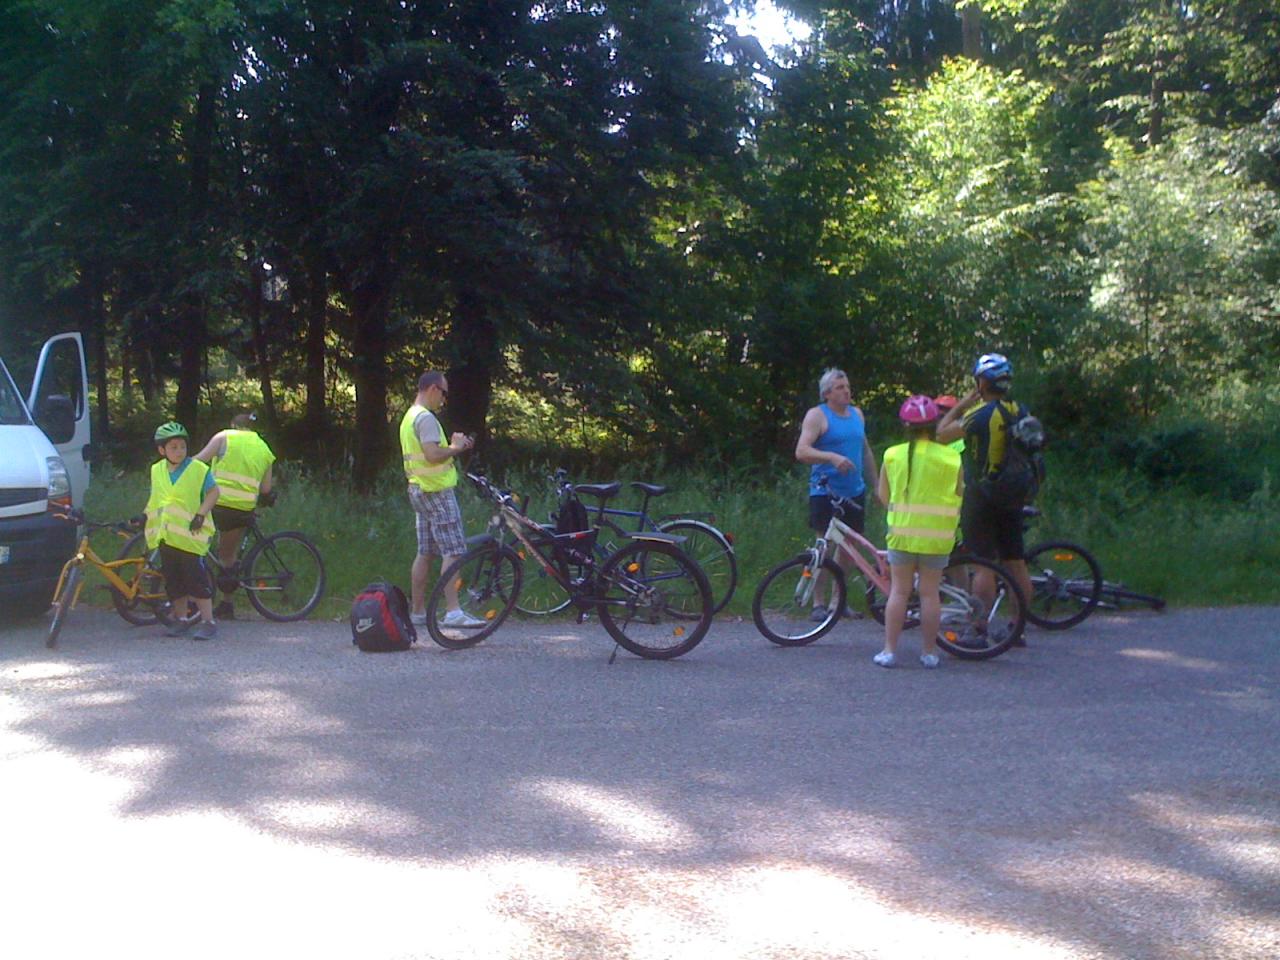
(652, 489)
(1030, 512)
(602, 490)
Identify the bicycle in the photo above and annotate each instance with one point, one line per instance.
(708, 546)
(281, 573)
(1066, 581)
(651, 598)
(141, 586)
(970, 630)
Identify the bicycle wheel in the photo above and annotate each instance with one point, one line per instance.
(783, 603)
(149, 603)
(654, 600)
(711, 550)
(542, 593)
(1066, 583)
(970, 629)
(488, 579)
(284, 576)
(62, 604)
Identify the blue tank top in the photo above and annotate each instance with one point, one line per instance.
(845, 435)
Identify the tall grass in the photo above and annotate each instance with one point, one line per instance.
(1190, 549)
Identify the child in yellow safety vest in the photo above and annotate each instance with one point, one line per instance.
(921, 486)
(182, 495)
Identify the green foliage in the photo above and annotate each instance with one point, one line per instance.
(1181, 239)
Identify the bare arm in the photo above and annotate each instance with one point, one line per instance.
(951, 427)
(210, 499)
(216, 447)
(870, 474)
(882, 488)
(814, 425)
(265, 485)
(437, 453)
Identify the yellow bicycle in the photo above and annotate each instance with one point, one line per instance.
(137, 588)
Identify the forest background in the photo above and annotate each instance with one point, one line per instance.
(634, 237)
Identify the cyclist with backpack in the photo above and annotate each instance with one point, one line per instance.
(1001, 472)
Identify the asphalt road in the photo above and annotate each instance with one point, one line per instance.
(1109, 792)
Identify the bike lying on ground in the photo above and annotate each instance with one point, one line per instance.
(1066, 581)
(970, 628)
(281, 573)
(708, 547)
(137, 590)
(649, 595)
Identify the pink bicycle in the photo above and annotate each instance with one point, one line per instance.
(971, 629)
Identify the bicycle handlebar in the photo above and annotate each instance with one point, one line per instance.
(73, 515)
(836, 499)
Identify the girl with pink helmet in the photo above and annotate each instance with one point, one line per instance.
(920, 485)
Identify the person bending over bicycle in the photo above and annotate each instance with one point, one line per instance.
(242, 469)
(991, 529)
(833, 441)
(921, 487)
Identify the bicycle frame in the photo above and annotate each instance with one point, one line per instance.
(845, 540)
(86, 554)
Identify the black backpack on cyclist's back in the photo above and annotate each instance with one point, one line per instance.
(380, 621)
(1018, 480)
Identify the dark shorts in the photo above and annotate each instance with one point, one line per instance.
(820, 513)
(227, 518)
(185, 574)
(989, 533)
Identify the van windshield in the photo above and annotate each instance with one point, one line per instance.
(11, 408)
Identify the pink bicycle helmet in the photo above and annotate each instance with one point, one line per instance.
(918, 410)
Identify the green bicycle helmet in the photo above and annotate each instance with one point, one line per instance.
(167, 431)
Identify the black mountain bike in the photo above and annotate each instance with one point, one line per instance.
(282, 574)
(652, 599)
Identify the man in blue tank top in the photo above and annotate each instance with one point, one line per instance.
(833, 440)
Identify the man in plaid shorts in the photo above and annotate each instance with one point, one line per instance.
(429, 467)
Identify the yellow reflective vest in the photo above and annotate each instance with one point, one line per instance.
(923, 513)
(240, 470)
(430, 477)
(172, 505)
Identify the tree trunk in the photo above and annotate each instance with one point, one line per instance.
(971, 31)
(475, 356)
(1155, 124)
(317, 306)
(95, 308)
(369, 371)
(256, 279)
(193, 327)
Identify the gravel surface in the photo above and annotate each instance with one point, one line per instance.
(1108, 792)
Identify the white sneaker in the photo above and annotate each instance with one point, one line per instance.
(460, 618)
(885, 659)
(419, 619)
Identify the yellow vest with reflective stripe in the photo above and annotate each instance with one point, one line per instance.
(240, 470)
(430, 477)
(924, 514)
(172, 505)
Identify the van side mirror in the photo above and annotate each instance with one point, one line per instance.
(56, 416)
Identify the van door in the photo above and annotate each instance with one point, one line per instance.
(59, 404)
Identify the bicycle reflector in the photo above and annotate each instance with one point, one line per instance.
(1064, 557)
(679, 631)
(632, 567)
(490, 614)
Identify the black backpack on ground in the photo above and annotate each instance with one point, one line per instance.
(1018, 480)
(380, 620)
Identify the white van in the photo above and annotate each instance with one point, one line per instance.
(44, 448)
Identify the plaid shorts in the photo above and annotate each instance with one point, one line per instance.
(439, 522)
